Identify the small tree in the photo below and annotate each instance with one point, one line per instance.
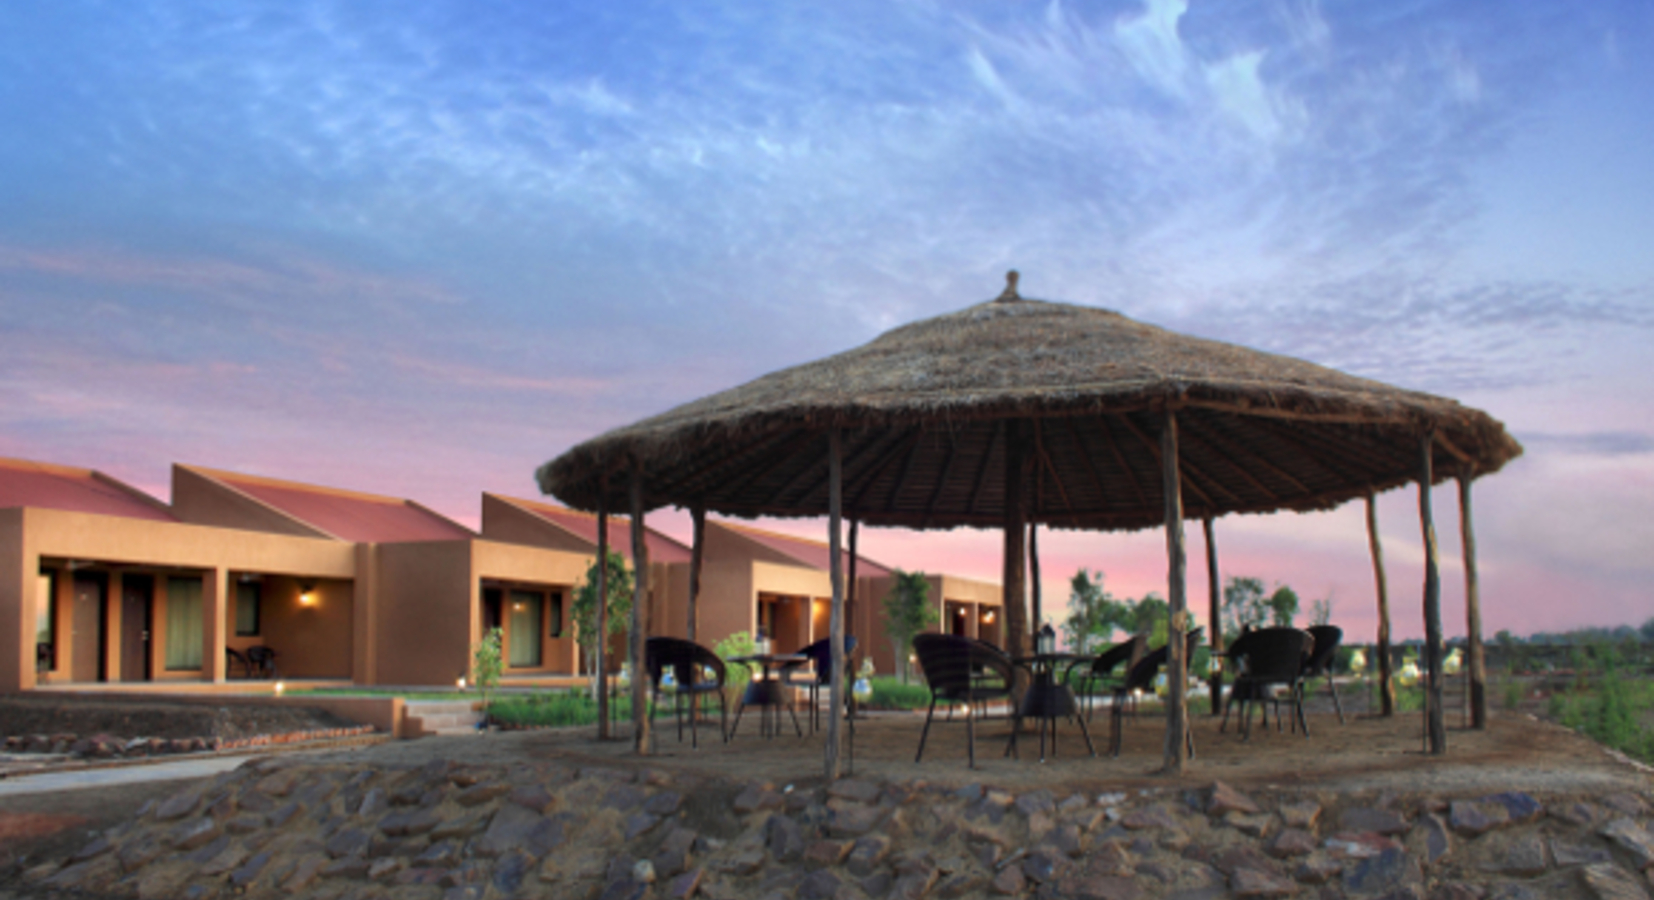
(1243, 605)
(1283, 607)
(1093, 615)
(1320, 612)
(584, 609)
(487, 666)
(907, 611)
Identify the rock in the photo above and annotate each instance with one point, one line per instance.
(1391, 870)
(821, 884)
(250, 870)
(1519, 807)
(1318, 868)
(246, 823)
(1098, 887)
(1245, 856)
(643, 870)
(278, 784)
(303, 874)
(1631, 837)
(1359, 845)
(1254, 824)
(1225, 799)
(1301, 815)
(1009, 882)
(139, 853)
(278, 817)
(783, 838)
(1291, 842)
(757, 797)
(1579, 813)
(866, 854)
(517, 827)
(859, 790)
(855, 821)
(348, 867)
(1252, 883)
(1607, 881)
(1429, 839)
(1149, 817)
(1474, 818)
(441, 854)
(192, 834)
(826, 853)
(98, 847)
(1458, 890)
(638, 824)
(1377, 821)
(534, 797)
(373, 804)
(178, 805)
(1573, 853)
(1625, 804)
(1040, 801)
(226, 860)
(663, 804)
(684, 886)
(1522, 856)
(481, 793)
(400, 824)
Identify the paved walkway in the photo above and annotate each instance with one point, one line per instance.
(80, 779)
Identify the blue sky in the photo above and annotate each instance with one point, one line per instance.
(420, 247)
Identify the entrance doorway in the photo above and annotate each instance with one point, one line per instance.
(137, 612)
(88, 620)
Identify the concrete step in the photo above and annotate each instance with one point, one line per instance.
(426, 717)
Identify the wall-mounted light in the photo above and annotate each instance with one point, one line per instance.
(460, 681)
(987, 617)
(307, 595)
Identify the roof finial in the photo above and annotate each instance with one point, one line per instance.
(1010, 292)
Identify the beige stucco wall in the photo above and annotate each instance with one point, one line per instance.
(200, 500)
(427, 613)
(537, 568)
(27, 536)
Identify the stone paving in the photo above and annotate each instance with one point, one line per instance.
(455, 831)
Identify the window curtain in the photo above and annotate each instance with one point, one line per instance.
(246, 609)
(185, 626)
(525, 628)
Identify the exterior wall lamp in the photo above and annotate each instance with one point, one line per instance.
(307, 594)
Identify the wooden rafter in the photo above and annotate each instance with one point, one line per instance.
(1192, 440)
(982, 470)
(901, 476)
(783, 455)
(1120, 458)
(1235, 443)
(1154, 448)
(884, 462)
(1090, 466)
(942, 478)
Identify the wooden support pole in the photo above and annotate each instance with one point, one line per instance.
(1386, 679)
(1214, 615)
(835, 518)
(1435, 725)
(1177, 667)
(603, 609)
(1472, 609)
(1033, 576)
(850, 586)
(697, 518)
(641, 743)
(1016, 608)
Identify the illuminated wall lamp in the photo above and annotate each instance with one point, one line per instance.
(987, 617)
(307, 595)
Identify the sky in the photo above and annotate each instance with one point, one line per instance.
(418, 248)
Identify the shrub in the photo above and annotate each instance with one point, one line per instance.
(889, 693)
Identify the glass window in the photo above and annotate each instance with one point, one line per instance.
(525, 628)
(45, 623)
(247, 595)
(554, 625)
(185, 630)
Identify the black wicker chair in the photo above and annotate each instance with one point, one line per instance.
(1099, 671)
(1327, 638)
(963, 671)
(688, 662)
(817, 673)
(261, 661)
(1267, 659)
(1140, 677)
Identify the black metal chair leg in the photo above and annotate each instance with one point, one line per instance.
(923, 734)
(970, 733)
(1333, 686)
(1086, 734)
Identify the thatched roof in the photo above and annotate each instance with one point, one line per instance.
(926, 407)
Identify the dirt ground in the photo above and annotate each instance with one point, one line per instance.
(61, 713)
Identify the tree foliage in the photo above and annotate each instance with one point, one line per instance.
(1244, 605)
(1093, 614)
(584, 609)
(486, 665)
(1320, 612)
(907, 612)
(1283, 606)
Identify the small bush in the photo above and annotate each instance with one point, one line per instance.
(554, 709)
(889, 693)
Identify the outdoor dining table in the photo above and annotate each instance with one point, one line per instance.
(1047, 700)
(766, 691)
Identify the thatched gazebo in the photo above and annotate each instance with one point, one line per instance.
(1019, 412)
